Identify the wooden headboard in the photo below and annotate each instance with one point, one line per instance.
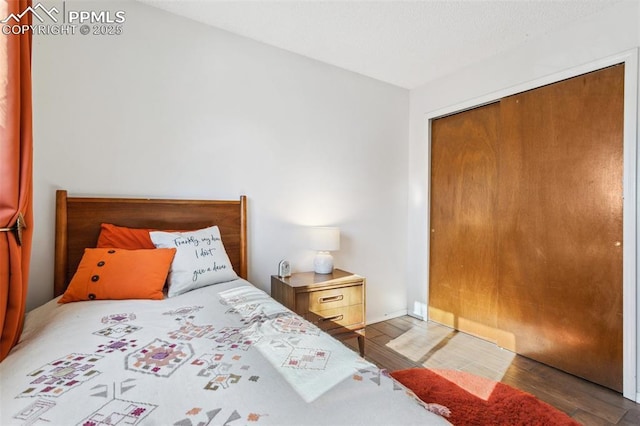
(78, 222)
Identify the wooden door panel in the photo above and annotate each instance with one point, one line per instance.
(463, 263)
(560, 225)
(526, 218)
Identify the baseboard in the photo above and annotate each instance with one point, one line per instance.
(388, 316)
(416, 316)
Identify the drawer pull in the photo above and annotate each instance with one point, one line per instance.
(330, 298)
(333, 318)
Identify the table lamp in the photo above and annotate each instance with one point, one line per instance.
(324, 240)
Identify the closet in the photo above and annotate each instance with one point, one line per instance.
(526, 224)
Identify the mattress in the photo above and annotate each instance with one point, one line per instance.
(226, 354)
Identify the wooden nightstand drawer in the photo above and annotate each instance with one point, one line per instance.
(336, 318)
(322, 300)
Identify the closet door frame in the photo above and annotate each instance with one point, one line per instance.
(631, 183)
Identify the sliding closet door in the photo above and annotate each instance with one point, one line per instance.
(560, 225)
(526, 224)
(464, 233)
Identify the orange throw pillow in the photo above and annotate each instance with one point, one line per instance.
(107, 273)
(125, 238)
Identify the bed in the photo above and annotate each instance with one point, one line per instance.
(224, 354)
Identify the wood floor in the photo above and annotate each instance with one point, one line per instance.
(406, 342)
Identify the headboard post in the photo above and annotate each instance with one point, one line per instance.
(60, 265)
(243, 237)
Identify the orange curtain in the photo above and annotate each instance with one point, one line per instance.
(16, 161)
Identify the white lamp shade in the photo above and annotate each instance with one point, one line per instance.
(323, 238)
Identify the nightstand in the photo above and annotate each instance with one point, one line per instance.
(334, 302)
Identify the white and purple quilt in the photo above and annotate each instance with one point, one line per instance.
(221, 355)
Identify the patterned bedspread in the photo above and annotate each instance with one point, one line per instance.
(221, 355)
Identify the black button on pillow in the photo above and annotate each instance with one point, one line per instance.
(101, 263)
(95, 278)
(92, 296)
(111, 251)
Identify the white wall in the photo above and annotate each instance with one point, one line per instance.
(173, 108)
(589, 40)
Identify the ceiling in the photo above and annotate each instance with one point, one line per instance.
(405, 43)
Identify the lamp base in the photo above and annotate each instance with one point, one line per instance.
(323, 263)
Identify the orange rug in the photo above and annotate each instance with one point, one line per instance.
(466, 399)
